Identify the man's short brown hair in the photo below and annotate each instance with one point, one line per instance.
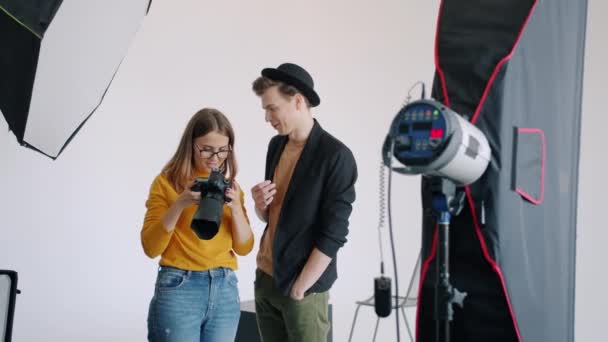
(261, 84)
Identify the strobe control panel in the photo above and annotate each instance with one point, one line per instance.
(420, 132)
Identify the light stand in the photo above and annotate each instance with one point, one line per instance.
(447, 202)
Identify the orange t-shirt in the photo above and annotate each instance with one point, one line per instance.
(282, 177)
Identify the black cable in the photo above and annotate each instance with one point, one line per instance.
(390, 229)
(382, 210)
(390, 217)
(422, 93)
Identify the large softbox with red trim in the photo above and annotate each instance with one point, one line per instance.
(514, 69)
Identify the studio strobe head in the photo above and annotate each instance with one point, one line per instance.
(431, 139)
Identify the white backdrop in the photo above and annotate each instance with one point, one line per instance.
(71, 226)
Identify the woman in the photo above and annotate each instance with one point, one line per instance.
(196, 294)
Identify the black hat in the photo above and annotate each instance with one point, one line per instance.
(296, 76)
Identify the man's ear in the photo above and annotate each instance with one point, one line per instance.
(300, 101)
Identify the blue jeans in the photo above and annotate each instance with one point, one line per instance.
(193, 306)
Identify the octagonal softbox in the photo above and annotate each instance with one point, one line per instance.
(57, 60)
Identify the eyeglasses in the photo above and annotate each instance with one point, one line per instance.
(207, 153)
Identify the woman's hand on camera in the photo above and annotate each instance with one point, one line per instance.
(188, 197)
(233, 194)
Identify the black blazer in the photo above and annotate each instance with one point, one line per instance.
(315, 209)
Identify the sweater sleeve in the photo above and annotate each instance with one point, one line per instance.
(245, 247)
(154, 236)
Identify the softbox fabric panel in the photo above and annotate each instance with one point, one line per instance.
(34, 15)
(60, 58)
(515, 70)
(19, 49)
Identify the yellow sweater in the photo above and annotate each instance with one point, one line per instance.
(181, 248)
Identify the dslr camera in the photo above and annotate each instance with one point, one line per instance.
(208, 217)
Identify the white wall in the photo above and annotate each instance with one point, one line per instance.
(71, 226)
(592, 236)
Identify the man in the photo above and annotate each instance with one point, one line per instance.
(306, 201)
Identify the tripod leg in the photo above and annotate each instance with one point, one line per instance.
(352, 328)
(376, 330)
(407, 325)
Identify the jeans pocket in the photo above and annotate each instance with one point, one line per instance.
(170, 279)
(232, 279)
(233, 285)
(237, 296)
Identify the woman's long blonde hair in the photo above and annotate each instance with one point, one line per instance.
(181, 167)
